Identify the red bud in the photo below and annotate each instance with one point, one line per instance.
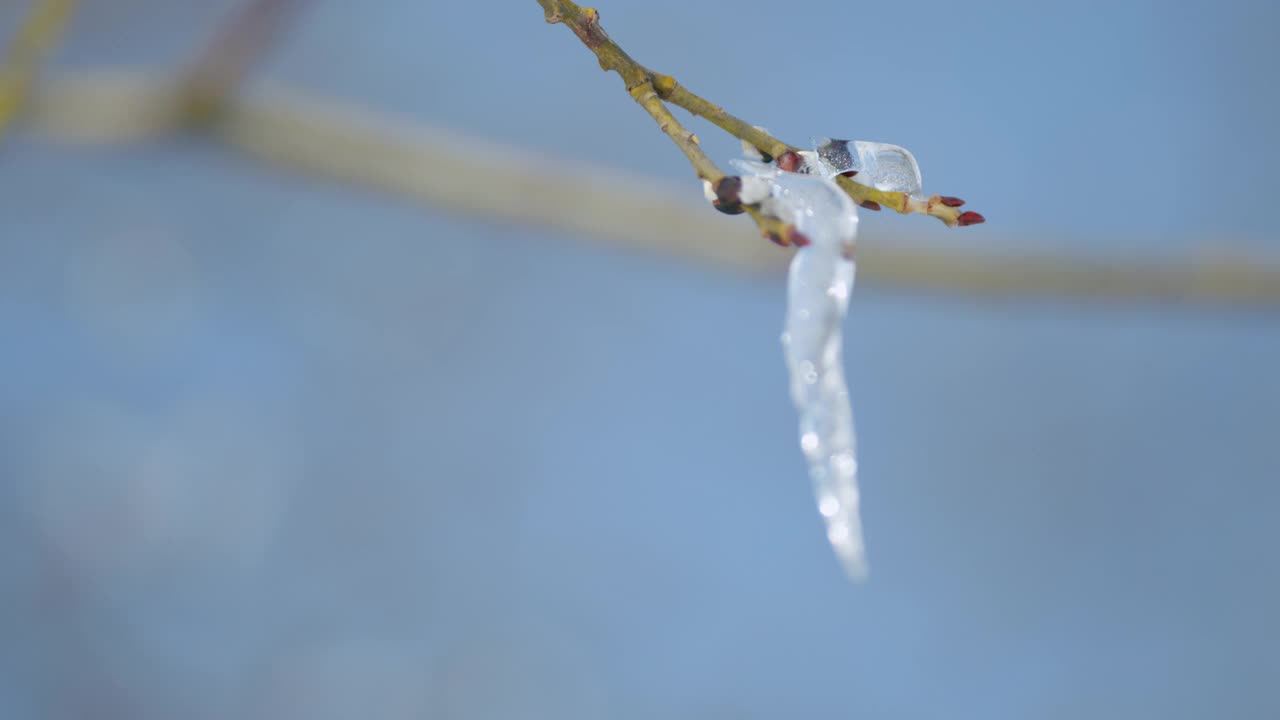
(970, 218)
(728, 195)
(797, 238)
(789, 161)
(870, 205)
(849, 173)
(951, 201)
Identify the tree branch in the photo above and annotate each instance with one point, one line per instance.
(675, 93)
(38, 33)
(585, 23)
(647, 96)
(468, 175)
(644, 84)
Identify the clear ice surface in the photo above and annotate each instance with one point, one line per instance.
(885, 167)
(818, 287)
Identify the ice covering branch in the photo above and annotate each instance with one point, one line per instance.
(651, 89)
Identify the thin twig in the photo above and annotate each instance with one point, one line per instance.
(672, 91)
(585, 23)
(645, 94)
(39, 32)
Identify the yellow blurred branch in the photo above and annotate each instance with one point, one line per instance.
(480, 179)
(37, 34)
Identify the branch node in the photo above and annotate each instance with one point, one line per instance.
(551, 11)
(589, 30)
(664, 85)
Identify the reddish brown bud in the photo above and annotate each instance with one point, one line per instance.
(774, 238)
(848, 173)
(797, 238)
(950, 201)
(870, 205)
(970, 218)
(728, 195)
(789, 161)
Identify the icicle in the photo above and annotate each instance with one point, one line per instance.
(818, 288)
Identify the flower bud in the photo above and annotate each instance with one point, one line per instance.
(728, 193)
(790, 162)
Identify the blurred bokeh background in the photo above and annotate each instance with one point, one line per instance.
(277, 447)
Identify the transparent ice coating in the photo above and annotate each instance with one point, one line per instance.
(818, 287)
(885, 167)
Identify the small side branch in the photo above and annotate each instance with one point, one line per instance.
(585, 23)
(645, 94)
(680, 96)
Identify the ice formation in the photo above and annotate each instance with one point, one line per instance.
(818, 287)
(879, 165)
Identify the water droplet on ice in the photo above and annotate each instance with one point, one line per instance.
(809, 441)
(838, 533)
(829, 506)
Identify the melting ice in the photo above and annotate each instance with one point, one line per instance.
(879, 165)
(818, 288)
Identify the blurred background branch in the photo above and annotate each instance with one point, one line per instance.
(34, 37)
(481, 179)
(231, 54)
(469, 175)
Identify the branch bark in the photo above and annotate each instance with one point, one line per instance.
(468, 175)
(585, 23)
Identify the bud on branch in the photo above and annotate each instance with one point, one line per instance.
(653, 90)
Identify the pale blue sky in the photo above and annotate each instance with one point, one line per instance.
(272, 448)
